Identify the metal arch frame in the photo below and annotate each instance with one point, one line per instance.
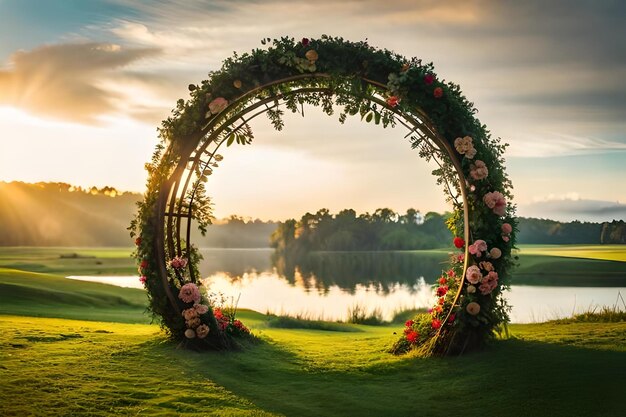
(169, 210)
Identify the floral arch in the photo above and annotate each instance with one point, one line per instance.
(382, 88)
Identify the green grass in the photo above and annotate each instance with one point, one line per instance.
(288, 322)
(109, 362)
(92, 261)
(66, 367)
(45, 295)
(601, 252)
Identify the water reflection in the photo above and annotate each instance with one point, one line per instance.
(326, 285)
(382, 271)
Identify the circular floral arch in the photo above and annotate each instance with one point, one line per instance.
(382, 88)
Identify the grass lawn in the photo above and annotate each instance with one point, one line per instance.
(67, 367)
(109, 361)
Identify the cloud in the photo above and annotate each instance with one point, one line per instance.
(65, 80)
(571, 207)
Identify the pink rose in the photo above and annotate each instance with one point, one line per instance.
(505, 238)
(473, 308)
(429, 79)
(489, 283)
(473, 274)
(495, 253)
(190, 313)
(438, 92)
(202, 331)
(201, 309)
(217, 105)
(478, 247)
(465, 146)
(143, 279)
(195, 322)
(478, 170)
(496, 202)
(178, 262)
(506, 228)
(189, 293)
(486, 266)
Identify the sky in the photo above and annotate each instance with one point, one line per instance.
(84, 84)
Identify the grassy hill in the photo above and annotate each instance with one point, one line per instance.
(111, 362)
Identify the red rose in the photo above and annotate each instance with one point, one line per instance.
(393, 101)
(442, 301)
(305, 42)
(429, 79)
(138, 241)
(451, 273)
(412, 337)
(438, 93)
(458, 242)
(443, 280)
(409, 323)
(441, 291)
(436, 323)
(144, 263)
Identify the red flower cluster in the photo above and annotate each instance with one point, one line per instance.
(412, 337)
(443, 280)
(441, 291)
(458, 242)
(393, 101)
(239, 326)
(429, 79)
(222, 319)
(436, 323)
(305, 42)
(143, 264)
(438, 92)
(138, 241)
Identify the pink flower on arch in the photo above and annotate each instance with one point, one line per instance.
(489, 283)
(429, 79)
(496, 202)
(473, 274)
(495, 253)
(178, 262)
(217, 105)
(478, 170)
(507, 228)
(477, 248)
(189, 293)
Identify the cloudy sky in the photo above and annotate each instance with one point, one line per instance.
(84, 84)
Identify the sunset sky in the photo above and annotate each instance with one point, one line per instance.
(84, 84)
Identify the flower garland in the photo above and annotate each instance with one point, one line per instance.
(382, 87)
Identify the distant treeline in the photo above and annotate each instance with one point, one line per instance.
(345, 231)
(59, 214)
(553, 232)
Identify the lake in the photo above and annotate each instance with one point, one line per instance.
(327, 285)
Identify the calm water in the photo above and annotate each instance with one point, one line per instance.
(327, 285)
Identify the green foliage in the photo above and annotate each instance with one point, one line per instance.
(344, 231)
